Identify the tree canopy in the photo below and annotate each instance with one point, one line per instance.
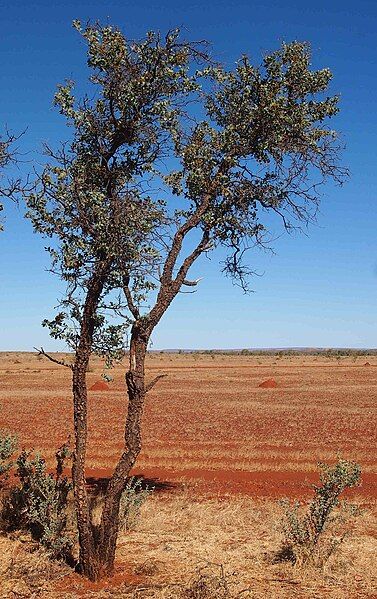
(168, 141)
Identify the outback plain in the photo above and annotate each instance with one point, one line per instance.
(220, 452)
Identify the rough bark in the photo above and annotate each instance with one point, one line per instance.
(135, 381)
(136, 389)
(89, 562)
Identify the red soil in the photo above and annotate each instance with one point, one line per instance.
(218, 483)
(83, 587)
(206, 426)
(99, 386)
(268, 384)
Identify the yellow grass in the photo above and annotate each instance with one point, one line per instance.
(179, 535)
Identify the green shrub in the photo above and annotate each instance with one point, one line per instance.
(8, 445)
(133, 497)
(313, 536)
(40, 503)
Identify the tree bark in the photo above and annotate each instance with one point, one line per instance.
(89, 562)
(88, 555)
(135, 380)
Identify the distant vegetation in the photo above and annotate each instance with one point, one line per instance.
(327, 353)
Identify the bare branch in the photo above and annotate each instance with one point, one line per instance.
(41, 352)
(131, 305)
(200, 248)
(176, 246)
(154, 381)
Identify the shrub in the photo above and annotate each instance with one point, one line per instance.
(313, 536)
(8, 445)
(133, 497)
(40, 503)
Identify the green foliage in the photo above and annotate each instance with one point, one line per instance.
(4, 153)
(162, 118)
(40, 504)
(313, 536)
(132, 500)
(8, 446)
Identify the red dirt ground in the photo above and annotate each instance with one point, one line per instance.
(208, 425)
(214, 483)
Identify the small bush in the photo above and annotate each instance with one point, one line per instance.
(40, 504)
(314, 536)
(8, 445)
(133, 497)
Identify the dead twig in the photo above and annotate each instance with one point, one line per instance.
(41, 352)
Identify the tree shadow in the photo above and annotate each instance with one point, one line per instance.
(98, 485)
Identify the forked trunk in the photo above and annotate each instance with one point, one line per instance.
(98, 543)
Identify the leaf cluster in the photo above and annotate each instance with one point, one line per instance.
(8, 446)
(6, 158)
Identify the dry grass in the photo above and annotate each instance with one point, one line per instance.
(221, 548)
(25, 570)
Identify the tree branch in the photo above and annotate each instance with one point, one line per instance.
(192, 283)
(154, 381)
(176, 246)
(130, 302)
(180, 279)
(41, 352)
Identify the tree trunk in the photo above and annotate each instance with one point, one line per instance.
(135, 380)
(88, 556)
(89, 562)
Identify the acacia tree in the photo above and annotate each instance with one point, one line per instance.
(171, 156)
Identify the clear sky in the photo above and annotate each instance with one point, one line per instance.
(318, 289)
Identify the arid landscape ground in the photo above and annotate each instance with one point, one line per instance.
(220, 451)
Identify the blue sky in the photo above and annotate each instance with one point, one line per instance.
(318, 289)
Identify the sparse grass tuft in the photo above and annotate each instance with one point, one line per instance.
(27, 571)
(132, 500)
